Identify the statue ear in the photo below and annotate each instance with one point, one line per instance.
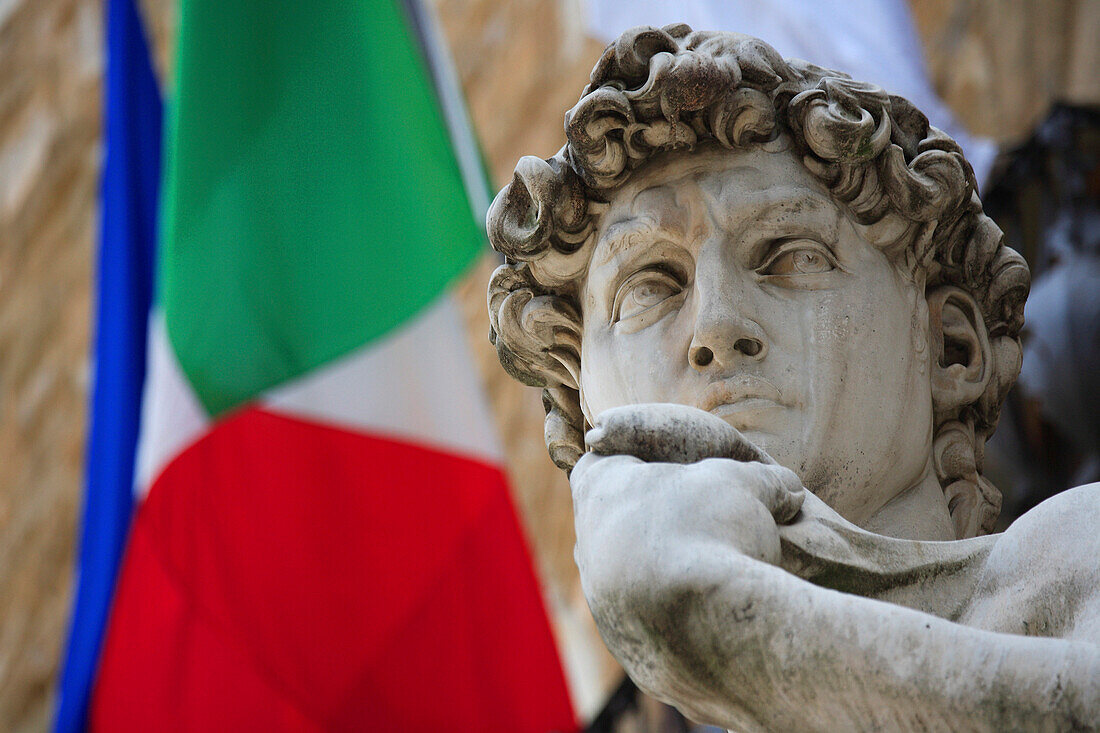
(962, 358)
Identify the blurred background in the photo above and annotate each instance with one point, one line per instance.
(1017, 73)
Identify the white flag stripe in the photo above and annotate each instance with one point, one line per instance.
(873, 40)
(417, 384)
(171, 415)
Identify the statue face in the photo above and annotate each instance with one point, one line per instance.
(732, 282)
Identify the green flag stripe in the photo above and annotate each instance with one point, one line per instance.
(312, 200)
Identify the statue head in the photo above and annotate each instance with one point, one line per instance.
(799, 253)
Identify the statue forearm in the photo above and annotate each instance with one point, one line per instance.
(726, 588)
(737, 641)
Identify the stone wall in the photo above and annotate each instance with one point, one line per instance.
(1000, 63)
(50, 65)
(522, 62)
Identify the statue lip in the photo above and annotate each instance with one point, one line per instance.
(740, 393)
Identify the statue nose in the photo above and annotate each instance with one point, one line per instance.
(727, 302)
(723, 337)
(702, 356)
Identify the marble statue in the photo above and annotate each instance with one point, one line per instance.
(773, 329)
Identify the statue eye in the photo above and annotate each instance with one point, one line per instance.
(799, 257)
(643, 291)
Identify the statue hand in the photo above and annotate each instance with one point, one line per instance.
(664, 513)
(670, 433)
(641, 518)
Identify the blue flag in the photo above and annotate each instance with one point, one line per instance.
(130, 183)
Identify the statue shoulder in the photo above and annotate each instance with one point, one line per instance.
(1061, 532)
(1042, 577)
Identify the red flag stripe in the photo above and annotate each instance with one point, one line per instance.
(286, 575)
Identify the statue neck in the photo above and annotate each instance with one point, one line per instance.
(918, 513)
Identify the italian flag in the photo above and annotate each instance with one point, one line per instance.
(323, 537)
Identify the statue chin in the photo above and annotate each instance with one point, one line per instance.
(773, 330)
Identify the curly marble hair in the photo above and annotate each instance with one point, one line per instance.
(663, 89)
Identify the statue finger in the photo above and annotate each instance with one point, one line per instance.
(669, 433)
(786, 492)
(777, 488)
